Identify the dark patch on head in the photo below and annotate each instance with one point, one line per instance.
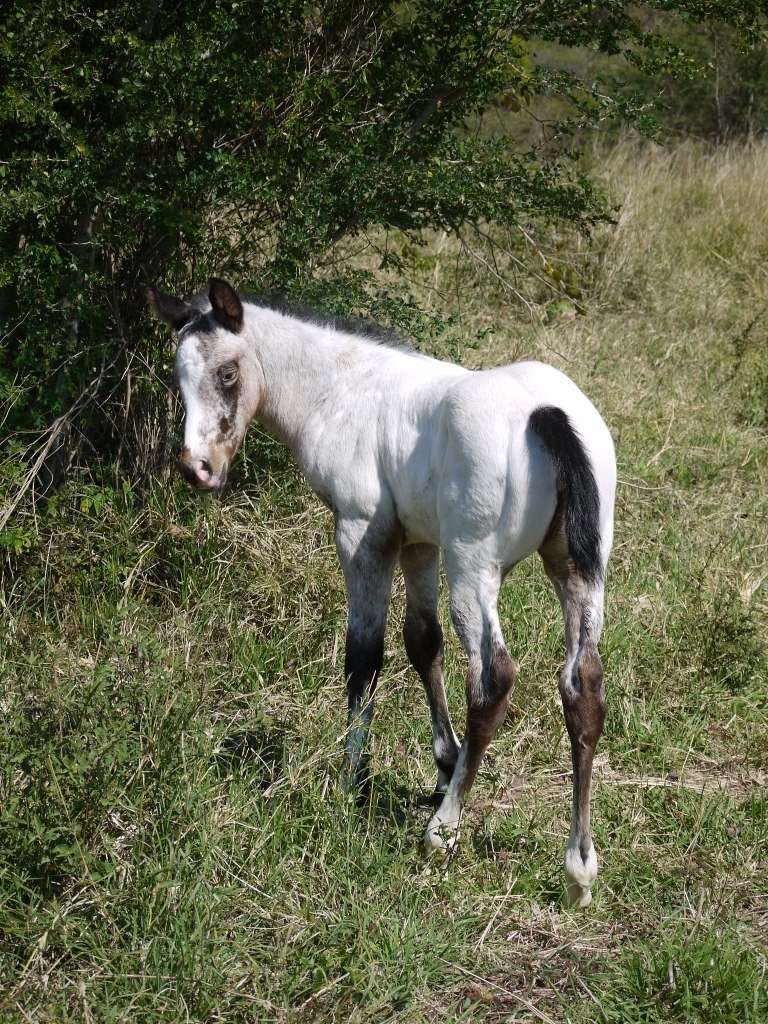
(202, 324)
(230, 396)
(224, 425)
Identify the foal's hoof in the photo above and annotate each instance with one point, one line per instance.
(580, 873)
(441, 837)
(576, 896)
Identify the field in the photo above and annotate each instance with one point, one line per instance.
(173, 844)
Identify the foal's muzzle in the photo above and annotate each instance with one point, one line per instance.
(199, 473)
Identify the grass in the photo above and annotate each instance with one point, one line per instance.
(173, 845)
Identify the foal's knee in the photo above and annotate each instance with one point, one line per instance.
(502, 675)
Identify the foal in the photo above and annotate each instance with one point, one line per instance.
(417, 456)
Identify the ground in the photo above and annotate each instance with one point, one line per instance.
(173, 842)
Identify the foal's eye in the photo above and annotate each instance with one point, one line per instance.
(228, 374)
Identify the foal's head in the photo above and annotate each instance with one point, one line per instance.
(219, 376)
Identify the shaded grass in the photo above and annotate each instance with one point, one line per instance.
(173, 845)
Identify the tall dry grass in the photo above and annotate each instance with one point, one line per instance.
(691, 225)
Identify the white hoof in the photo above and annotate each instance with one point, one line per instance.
(576, 896)
(580, 873)
(441, 836)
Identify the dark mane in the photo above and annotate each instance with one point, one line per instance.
(359, 326)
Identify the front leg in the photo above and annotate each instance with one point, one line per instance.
(367, 553)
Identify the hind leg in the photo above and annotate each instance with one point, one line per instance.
(490, 678)
(424, 646)
(583, 696)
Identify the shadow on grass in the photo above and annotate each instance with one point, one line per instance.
(384, 798)
(261, 752)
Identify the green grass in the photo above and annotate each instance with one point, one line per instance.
(173, 844)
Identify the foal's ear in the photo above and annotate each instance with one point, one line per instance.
(226, 306)
(169, 309)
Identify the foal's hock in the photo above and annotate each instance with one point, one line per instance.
(417, 456)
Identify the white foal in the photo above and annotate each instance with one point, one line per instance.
(416, 456)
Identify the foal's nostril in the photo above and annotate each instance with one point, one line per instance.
(197, 472)
(187, 472)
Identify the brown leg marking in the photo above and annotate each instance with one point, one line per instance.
(424, 646)
(584, 706)
(485, 712)
(423, 642)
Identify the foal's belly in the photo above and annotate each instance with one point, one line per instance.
(420, 531)
(417, 514)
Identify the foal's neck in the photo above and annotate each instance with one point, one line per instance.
(305, 366)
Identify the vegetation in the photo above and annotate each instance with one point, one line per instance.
(728, 98)
(150, 141)
(173, 845)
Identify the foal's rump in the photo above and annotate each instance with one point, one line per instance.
(513, 436)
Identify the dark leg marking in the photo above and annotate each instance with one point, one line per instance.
(424, 646)
(486, 711)
(367, 556)
(584, 708)
(362, 666)
(582, 691)
(423, 639)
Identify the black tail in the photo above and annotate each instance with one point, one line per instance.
(579, 498)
